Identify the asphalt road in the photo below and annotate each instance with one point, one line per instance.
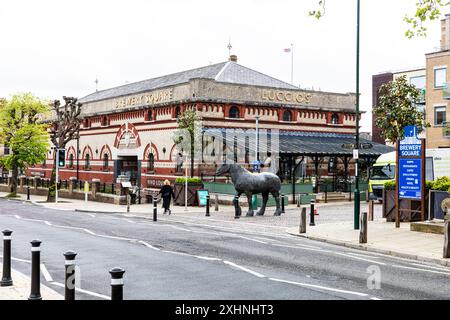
(182, 258)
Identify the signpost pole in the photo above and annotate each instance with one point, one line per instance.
(397, 181)
(422, 204)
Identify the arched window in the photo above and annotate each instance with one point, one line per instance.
(335, 118)
(151, 162)
(87, 163)
(287, 115)
(234, 113)
(105, 161)
(177, 112)
(71, 160)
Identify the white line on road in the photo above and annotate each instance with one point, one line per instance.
(431, 267)
(149, 245)
(17, 259)
(47, 223)
(89, 231)
(251, 239)
(179, 228)
(98, 295)
(128, 220)
(359, 258)
(259, 275)
(375, 298)
(420, 269)
(46, 274)
(321, 287)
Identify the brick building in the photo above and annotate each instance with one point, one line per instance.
(127, 130)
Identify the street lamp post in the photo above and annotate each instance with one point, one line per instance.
(357, 195)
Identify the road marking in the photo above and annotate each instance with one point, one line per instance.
(179, 228)
(259, 275)
(98, 295)
(208, 258)
(359, 258)
(375, 298)
(17, 259)
(117, 238)
(149, 245)
(128, 220)
(321, 287)
(48, 223)
(251, 239)
(297, 246)
(89, 231)
(431, 267)
(46, 274)
(419, 269)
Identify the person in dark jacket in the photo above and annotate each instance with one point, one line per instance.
(166, 194)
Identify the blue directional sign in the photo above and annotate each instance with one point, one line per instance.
(410, 146)
(410, 180)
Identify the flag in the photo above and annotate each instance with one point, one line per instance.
(287, 50)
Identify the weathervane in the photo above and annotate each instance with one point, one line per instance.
(229, 47)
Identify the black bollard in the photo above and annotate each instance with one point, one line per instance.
(69, 291)
(35, 270)
(311, 222)
(28, 193)
(207, 205)
(6, 277)
(117, 283)
(282, 203)
(237, 210)
(155, 210)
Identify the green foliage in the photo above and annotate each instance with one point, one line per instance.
(396, 109)
(389, 185)
(12, 195)
(189, 180)
(428, 185)
(27, 139)
(426, 10)
(441, 184)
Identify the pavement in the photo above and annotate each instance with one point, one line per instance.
(334, 225)
(20, 290)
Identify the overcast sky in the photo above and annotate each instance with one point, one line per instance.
(54, 48)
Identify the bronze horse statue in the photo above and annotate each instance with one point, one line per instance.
(253, 183)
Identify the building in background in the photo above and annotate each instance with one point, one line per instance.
(437, 91)
(416, 76)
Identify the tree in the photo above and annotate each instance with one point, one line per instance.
(188, 137)
(426, 10)
(66, 125)
(397, 109)
(24, 134)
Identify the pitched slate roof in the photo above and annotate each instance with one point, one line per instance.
(303, 143)
(228, 72)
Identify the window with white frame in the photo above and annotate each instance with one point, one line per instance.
(439, 115)
(440, 77)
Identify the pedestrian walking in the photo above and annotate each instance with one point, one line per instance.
(166, 194)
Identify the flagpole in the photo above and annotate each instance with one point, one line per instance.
(292, 64)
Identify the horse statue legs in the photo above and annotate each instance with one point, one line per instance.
(276, 195)
(250, 212)
(265, 198)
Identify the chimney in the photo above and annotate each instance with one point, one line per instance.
(233, 58)
(445, 33)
